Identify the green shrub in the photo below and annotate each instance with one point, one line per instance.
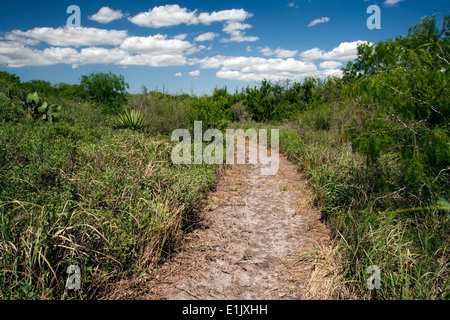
(105, 89)
(163, 113)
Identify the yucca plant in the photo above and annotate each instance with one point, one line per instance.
(131, 119)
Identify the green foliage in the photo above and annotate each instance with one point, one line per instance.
(213, 112)
(273, 102)
(8, 77)
(8, 110)
(105, 89)
(375, 147)
(131, 119)
(40, 109)
(108, 201)
(45, 88)
(163, 113)
(402, 86)
(71, 92)
(377, 155)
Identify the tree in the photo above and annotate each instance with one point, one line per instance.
(403, 85)
(105, 89)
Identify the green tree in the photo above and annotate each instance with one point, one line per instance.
(106, 89)
(403, 85)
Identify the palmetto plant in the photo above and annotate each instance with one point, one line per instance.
(131, 119)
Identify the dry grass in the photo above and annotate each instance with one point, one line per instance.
(321, 272)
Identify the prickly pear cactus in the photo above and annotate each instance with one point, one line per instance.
(39, 109)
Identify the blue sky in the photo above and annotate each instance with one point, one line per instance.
(195, 45)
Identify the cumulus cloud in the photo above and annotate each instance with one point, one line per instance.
(330, 65)
(208, 36)
(390, 3)
(346, 51)
(195, 73)
(178, 74)
(329, 73)
(180, 36)
(317, 21)
(173, 14)
(279, 53)
(234, 26)
(256, 68)
(225, 15)
(157, 44)
(17, 55)
(66, 37)
(155, 51)
(106, 15)
(164, 16)
(152, 60)
(235, 30)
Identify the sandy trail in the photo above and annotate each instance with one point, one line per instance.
(246, 240)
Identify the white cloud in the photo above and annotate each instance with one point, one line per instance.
(329, 73)
(195, 73)
(65, 37)
(155, 51)
(17, 55)
(225, 15)
(292, 5)
(319, 20)
(157, 44)
(256, 68)
(106, 15)
(330, 64)
(164, 16)
(173, 14)
(240, 37)
(346, 51)
(154, 60)
(181, 36)
(279, 53)
(312, 54)
(234, 29)
(178, 74)
(208, 36)
(249, 49)
(93, 55)
(390, 3)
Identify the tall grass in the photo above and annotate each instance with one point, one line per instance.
(82, 193)
(409, 246)
(164, 113)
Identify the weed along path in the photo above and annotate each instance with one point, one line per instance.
(246, 241)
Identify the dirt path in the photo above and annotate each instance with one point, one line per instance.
(246, 242)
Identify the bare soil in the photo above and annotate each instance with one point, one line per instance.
(246, 242)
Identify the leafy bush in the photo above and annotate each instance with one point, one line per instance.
(8, 110)
(163, 113)
(403, 89)
(105, 89)
(273, 102)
